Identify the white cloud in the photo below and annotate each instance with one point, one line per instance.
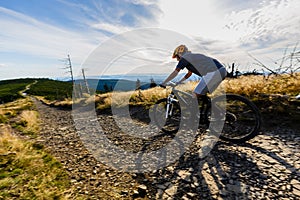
(226, 30)
(2, 65)
(205, 19)
(38, 47)
(23, 34)
(143, 2)
(192, 17)
(266, 31)
(263, 29)
(111, 28)
(272, 22)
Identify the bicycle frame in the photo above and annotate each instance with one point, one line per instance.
(172, 97)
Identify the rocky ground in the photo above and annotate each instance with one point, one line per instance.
(267, 167)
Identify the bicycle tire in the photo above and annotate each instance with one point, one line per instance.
(172, 123)
(242, 118)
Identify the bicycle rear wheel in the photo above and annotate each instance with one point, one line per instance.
(171, 123)
(242, 118)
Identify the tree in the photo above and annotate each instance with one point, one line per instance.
(152, 83)
(138, 84)
(106, 88)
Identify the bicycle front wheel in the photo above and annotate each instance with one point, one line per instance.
(167, 122)
(242, 118)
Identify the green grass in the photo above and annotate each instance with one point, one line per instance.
(9, 89)
(52, 89)
(28, 172)
(20, 115)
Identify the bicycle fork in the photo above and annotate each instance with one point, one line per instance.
(169, 108)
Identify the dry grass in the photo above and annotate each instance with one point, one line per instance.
(254, 85)
(31, 121)
(67, 102)
(19, 115)
(15, 106)
(249, 86)
(273, 94)
(28, 172)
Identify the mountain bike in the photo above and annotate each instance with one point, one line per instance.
(240, 117)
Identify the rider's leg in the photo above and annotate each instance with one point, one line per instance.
(199, 93)
(208, 84)
(201, 90)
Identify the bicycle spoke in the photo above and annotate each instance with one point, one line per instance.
(242, 118)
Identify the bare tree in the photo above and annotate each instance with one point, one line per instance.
(290, 62)
(262, 65)
(76, 88)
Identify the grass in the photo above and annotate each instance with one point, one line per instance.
(29, 120)
(134, 98)
(139, 97)
(254, 87)
(251, 86)
(51, 89)
(58, 93)
(9, 89)
(273, 95)
(21, 116)
(27, 172)
(67, 102)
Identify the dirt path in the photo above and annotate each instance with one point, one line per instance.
(91, 179)
(23, 92)
(267, 167)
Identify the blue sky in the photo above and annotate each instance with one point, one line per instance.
(35, 35)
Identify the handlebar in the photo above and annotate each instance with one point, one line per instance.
(171, 84)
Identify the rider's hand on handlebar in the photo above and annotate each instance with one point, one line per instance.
(161, 85)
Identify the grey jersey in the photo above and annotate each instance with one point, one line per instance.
(198, 63)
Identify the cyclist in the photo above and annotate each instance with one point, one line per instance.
(211, 70)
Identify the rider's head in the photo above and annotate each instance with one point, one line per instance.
(179, 51)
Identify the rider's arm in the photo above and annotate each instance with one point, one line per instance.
(171, 76)
(188, 75)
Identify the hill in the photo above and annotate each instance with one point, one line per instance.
(9, 89)
(107, 85)
(51, 89)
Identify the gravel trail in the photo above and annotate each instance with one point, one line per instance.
(267, 167)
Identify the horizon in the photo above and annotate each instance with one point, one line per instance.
(133, 76)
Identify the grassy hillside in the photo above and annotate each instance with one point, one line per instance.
(9, 89)
(51, 89)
